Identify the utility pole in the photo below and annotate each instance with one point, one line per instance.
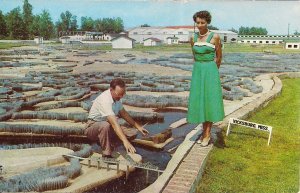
(288, 30)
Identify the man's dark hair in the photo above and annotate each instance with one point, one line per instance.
(117, 82)
(203, 15)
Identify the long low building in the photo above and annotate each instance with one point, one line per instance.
(182, 33)
(266, 39)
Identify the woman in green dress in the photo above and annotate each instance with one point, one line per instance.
(205, 98)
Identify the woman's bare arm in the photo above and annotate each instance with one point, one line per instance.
(218, 47)
(192, 44)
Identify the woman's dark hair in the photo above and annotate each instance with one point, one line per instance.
(117, 82)
(203, 15)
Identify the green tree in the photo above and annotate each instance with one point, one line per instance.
(119, 25)
(67, 22)
(297, 33)
(35, 26)
(73, 24)
(98, 25)
(109, 25)
(46, 27)
(233, 30)
(58, 27)
(87, 24)
(145, 25)
(27, 19)
(252, 31)
(3, 27)
(105, 25)
(15, 24)
(211, 27)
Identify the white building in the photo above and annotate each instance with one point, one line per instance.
(260, 41)
(183, 33)
(90, 36)
(226, 36)
(70, 39)
(93, 36)
(38, 39)
(152, 42)
(122, 42)
(65, 39)
(110, 36)
(172, 40)
(292, 45)
(265, 39)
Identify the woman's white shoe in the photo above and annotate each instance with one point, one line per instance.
(199, 141)
(205, 142)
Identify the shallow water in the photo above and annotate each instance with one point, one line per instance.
(137, 179)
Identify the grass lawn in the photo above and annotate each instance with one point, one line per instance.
(10, 45)
(165, 48)
(247, 164)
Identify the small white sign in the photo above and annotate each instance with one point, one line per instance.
(251, 125)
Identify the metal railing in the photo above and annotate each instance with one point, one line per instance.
(128, 162)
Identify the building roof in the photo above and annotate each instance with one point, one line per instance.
(269, 37)
(113, 35)
(292, 40)
(65, 37)
(181, 26)
(172, 38)
(154, 39)
(93, 33)
(122, 36)
(223, 32)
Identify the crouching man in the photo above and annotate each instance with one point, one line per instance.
(103, 126)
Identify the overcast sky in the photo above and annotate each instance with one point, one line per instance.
(273, 15)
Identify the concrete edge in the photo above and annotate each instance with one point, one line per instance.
(200, 172)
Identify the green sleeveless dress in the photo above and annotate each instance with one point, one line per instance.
(205, 98)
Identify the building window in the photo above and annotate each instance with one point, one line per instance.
(149, 33)
(267, 42)
(254, 41)
(180, 32)
(135, 33)
(273, 42)
(225, 38)
(295, 46)
(248, 41)
(260, 42)
(289, 46)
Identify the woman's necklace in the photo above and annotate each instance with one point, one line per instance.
(203, 34)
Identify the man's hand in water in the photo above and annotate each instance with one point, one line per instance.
(129, 148)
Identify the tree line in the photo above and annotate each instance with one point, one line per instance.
(23, 24)
(252, 31)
